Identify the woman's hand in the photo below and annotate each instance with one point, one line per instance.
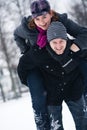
(74, 48)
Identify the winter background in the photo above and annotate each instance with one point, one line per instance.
(17, 114)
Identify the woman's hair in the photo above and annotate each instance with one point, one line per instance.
(32, 25)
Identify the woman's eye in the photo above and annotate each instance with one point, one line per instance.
(44, 16)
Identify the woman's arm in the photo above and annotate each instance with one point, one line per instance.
(21, 43)
(20, 37)
(78, 32)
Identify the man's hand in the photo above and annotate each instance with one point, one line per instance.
(77, 52)
(74, 48)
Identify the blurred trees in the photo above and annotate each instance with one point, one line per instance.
(11, 13)
(79, 12)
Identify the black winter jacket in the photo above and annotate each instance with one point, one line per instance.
(62, 77)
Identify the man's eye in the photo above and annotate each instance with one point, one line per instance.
(61, 41)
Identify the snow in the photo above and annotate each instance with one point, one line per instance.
(18, 115)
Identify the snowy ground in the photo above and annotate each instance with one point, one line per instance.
(18, 115)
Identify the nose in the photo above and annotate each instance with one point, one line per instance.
(58, 46)
(42, 23)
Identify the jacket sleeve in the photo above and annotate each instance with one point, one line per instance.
(21, 44)
(75, 30)
(80, 55)
(21, 40)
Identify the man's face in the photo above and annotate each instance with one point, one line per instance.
(58, 45)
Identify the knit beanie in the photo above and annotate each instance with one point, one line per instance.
(39, 7)
(56, 30)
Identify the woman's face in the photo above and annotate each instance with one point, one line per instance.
(43, 21)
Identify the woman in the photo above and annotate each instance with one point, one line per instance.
(31, 35)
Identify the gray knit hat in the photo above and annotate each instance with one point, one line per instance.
(56, 30)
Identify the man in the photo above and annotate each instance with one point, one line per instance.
(60, 48)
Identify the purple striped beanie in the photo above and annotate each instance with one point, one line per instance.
(39, 7)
